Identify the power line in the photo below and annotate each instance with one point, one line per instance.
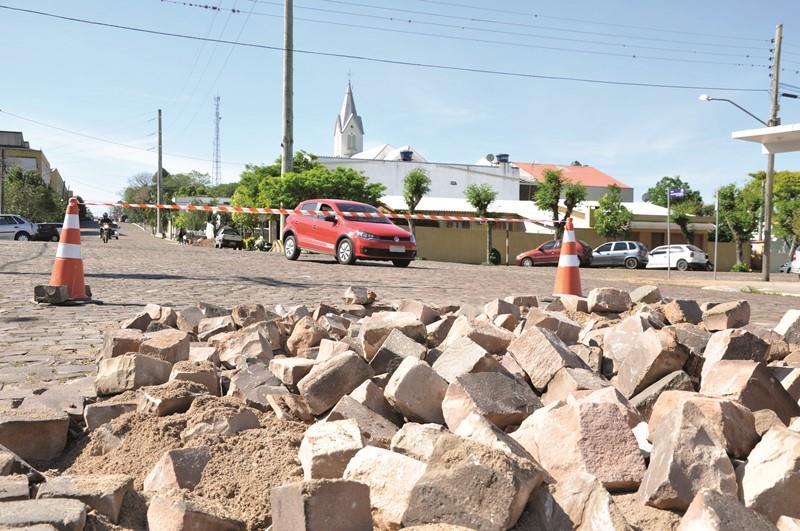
(513, 44)
(431, 66)
(495, 21)
(105, 140)
(595, 22)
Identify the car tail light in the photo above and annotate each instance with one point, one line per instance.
(691, 254)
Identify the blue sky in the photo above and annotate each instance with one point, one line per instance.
(108, 83)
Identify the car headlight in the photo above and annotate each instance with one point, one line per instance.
(413, 239)
(366, 235)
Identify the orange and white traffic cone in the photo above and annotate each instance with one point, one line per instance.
(568, 277)
(68, 267)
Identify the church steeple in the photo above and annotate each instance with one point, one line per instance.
(348, 136)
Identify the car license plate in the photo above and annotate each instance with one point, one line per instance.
(397, 249)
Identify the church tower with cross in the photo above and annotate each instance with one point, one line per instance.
(348, 136)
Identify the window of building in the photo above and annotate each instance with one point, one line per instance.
(351, 141)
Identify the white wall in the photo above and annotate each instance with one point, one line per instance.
(447, 180)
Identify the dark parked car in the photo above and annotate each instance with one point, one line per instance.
(549, 253)
(631, 255)
(47, 232)
(229, 237)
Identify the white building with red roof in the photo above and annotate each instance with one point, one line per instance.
(595, 181)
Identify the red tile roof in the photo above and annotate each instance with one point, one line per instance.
(586, 175)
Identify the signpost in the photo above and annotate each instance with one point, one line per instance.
(677, 193)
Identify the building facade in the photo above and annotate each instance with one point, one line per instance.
(15, 151)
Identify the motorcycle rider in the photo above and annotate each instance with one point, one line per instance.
(104, 220)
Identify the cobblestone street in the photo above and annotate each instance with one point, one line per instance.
(40, 344)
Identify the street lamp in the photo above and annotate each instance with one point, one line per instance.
(706, 97)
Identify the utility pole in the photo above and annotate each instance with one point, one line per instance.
(2, 178)
(216, 173)
(773, 121)
(158, 179)
(287, 141)
(716, 235)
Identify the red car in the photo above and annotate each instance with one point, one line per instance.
(549, 253)
(348, 238)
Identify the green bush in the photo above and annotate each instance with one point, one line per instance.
(739, 267)
(249, 243)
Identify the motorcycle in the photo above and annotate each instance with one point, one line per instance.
(105, 232)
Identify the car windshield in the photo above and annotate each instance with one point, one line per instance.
(354, 207)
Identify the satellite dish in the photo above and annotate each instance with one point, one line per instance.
(490, 157)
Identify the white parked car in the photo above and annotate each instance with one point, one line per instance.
(796, 263)
(681, 257)
(13, 227)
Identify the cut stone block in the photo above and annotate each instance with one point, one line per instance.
(212, 326)
(168, 345)
(327, 447)
(60, 398)
(683, 311)
(223, 422)
(436, 332)
(594, 437)
(541, 355)
(252, 342)
(463, 356)
(376, 328)
(729, 423)
(417, 440)
(789, 377)
(290, 370)
(506, 321)
(478, 429)
(492, 338)
(500, 306)
(713, 511)
(787, 523)
(332, 379)
(565, 328)
(251, 377)
(789, 327)
(119, 342)
(770, 478)
(370, 395)
(646, 294)
(765, 420)
(502, 399)
(391, 478)
(180, 468)
(203, 373)
(140, 322)
(60, 514)
(751, 384)
(394, 349)
(102, 492)
(200, 352)
(169, 398)
(685, 459)
(359, 295)
(622, 340)
(610, 395)
(421, 311)
(244, 315)
(14, 487)
(416, 391)
(188, 319)
(40, 435)
(529, 301)
(609, 300)
(375, 429)
(577, 382)
(658, 356)
(733, 314)
(472, 485)
(177, 513)
(733, 344)
(646, 399)
(306, 334)
(574, 304)
(307, 506)
(95, 415)
(50, 294)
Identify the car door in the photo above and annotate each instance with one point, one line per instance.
(6, 228)
(302, 223)
(618, 253)
(601, 254)
(658, 258)
(325, 232)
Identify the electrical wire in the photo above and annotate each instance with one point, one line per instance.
(449, 68)
(514, 44)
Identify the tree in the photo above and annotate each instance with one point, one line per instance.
(28, 196)
(548, 196)
(613, 218)
(786, 206)
(416, 184)
(681, 209)
(738, 210)
(480, 196)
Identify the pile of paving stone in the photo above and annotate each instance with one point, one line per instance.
(523, 414)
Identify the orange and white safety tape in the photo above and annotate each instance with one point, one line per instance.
(285, 211)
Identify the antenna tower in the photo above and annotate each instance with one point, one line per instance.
(216, 172)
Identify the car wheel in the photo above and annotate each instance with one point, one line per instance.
(290, 248)
(54, 238)
(401, 263)
(682, 265)
(527, 262)
(22, 237)
(345, 254)
(631, 263)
